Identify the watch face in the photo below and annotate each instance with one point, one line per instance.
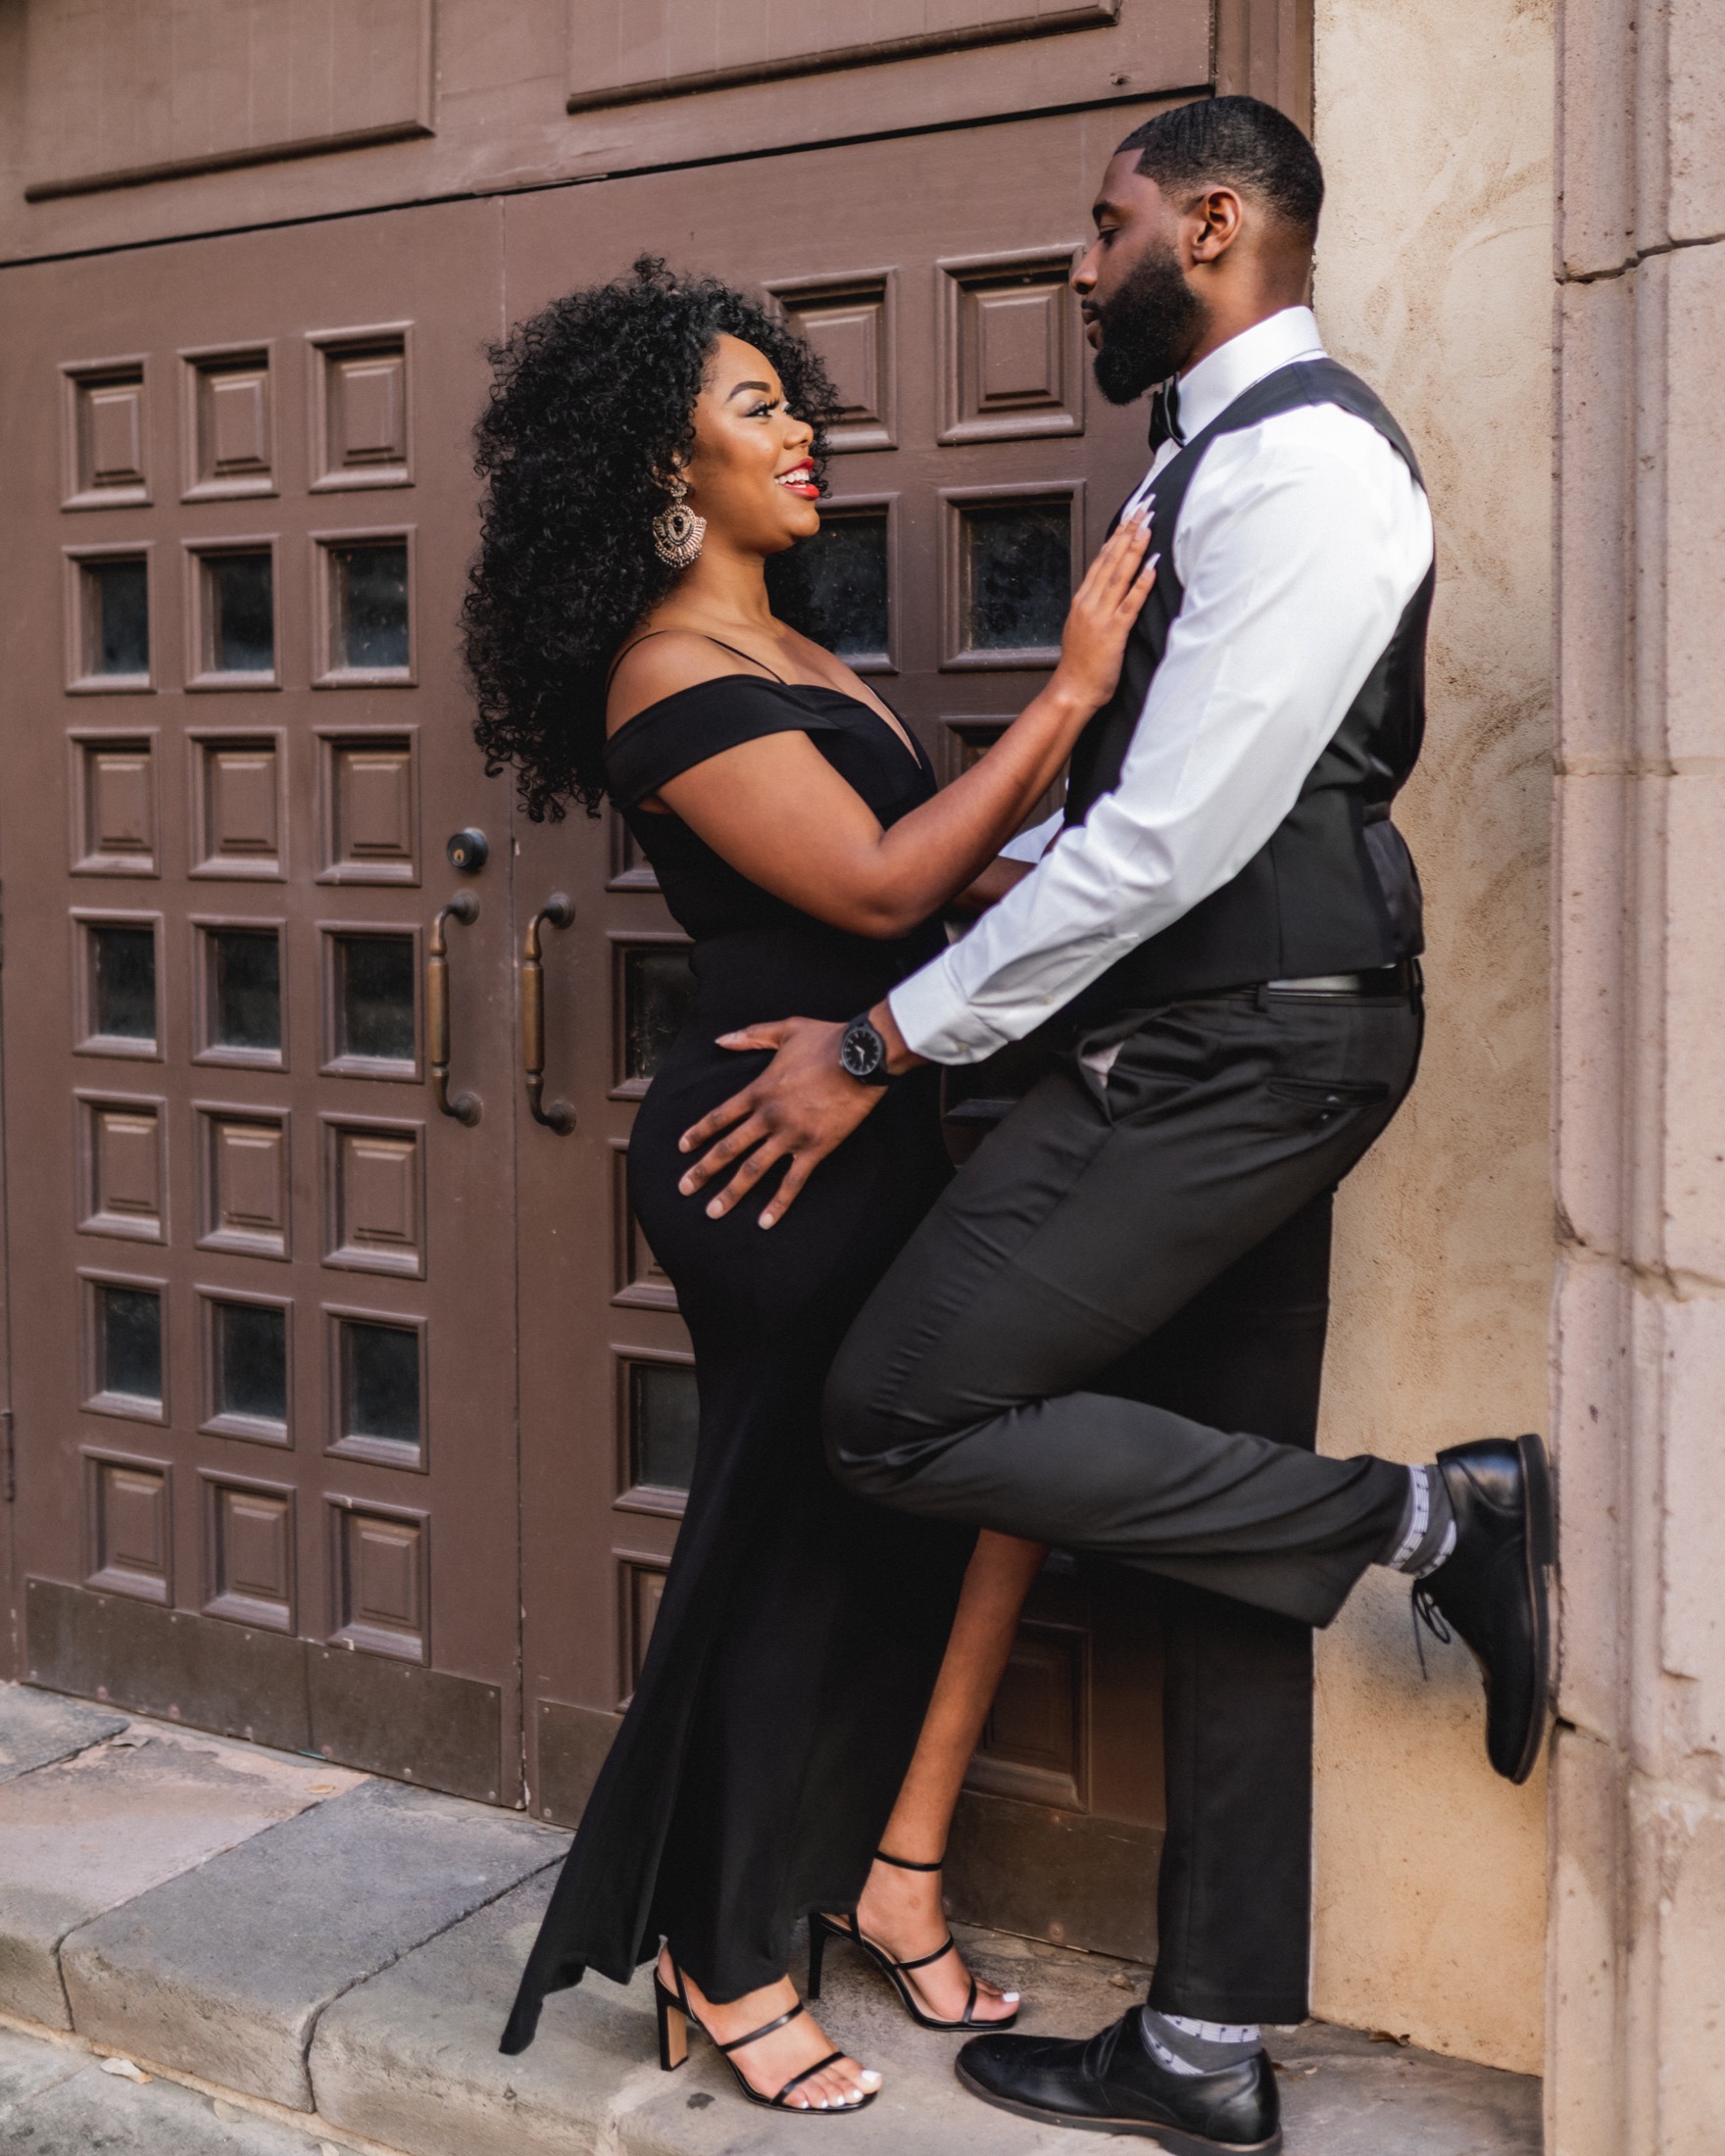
(862, 1051)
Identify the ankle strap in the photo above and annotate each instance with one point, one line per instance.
(948, 1945)
(905, 1864)
(765, 2029)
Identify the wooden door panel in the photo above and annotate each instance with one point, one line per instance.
(616, 57)
(265, 1321)
(971, 435)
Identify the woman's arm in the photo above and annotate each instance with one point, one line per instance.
(991, 887)
(778, 813)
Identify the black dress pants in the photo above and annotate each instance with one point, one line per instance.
(1108, 1335)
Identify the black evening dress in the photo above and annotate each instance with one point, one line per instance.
(801, 1629)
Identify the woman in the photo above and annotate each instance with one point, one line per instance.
(649, 447)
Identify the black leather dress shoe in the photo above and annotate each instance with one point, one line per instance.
(1112, 2084)
(1492, 1590)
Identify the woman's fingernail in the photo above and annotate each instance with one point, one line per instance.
(687, 1186)
(767, 1219)
(714, 1210)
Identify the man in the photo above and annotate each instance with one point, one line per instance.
(1109, 1333)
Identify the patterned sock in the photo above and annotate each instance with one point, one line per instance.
(1426, 1535)
(1187, 2046)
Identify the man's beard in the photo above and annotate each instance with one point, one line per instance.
(1147, 328)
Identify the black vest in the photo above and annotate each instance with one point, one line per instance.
(1334, 891)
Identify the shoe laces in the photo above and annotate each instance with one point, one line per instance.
(1099, 2052)
(1427, 1613)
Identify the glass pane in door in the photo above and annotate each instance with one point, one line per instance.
(659, 988)
(245, 988)
(117, 616)
(1017, 576)
(251, 1361)
(663, 1422)
(123, 965)
(128, 1343)
(379, 1382)
(375, 998)
(241, 599)
(841, 577)
(369, 614)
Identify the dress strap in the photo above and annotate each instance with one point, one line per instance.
(610, 674)
(691, 725)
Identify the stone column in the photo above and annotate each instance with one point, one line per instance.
(1636, 1980)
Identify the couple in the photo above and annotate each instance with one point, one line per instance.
(1107, 1331)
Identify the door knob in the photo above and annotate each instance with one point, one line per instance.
(466, 1107)
(559, 910)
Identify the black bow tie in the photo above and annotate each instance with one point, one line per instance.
(1165, 414)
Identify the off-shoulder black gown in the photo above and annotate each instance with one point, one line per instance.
(801, 1630)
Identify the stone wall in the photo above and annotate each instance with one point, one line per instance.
(1434, 280)
(1638, 1920)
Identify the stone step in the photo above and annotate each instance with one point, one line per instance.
(331, 1957)
(225, 1971)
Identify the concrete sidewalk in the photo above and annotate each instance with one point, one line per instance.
(302, 1957)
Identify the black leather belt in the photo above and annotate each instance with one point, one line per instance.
(1384, 980)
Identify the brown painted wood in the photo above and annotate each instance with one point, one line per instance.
(732, 43)
(1080, 1879)
(303, 1190)
(1264, 49)
(215, 405)
(498, 120)
(120, 97)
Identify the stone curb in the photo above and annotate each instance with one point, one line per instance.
(226, 1970)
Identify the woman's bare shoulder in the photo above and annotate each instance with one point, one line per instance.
(658, 666)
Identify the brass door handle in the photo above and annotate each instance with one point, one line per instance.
(466, 1107)
(559, 910)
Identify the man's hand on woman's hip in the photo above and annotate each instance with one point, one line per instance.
(801, 1107)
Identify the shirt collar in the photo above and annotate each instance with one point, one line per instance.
(1208, 389)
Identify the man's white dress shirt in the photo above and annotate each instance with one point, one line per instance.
(1298, 544)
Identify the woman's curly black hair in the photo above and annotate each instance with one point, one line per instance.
(593, 402)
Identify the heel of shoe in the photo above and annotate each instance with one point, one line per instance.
(673, 2028)
(817, 1952)
(1542, 1512)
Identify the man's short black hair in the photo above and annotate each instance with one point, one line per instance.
(1233, 142)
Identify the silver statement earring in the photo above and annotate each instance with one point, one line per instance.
(677, 532)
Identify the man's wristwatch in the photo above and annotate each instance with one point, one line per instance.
(862, 1053)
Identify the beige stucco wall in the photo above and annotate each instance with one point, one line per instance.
(1434, 280)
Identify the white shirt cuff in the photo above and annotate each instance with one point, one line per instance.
(933, 1014)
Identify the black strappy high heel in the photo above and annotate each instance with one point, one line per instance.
(674, 2016)
(822, 1927)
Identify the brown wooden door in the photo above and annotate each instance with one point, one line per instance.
(280, 1467)
(976, 467)
(262, 1290)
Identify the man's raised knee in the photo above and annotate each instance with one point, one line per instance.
(854, 1430)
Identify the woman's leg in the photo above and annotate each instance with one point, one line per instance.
(902, 1910)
